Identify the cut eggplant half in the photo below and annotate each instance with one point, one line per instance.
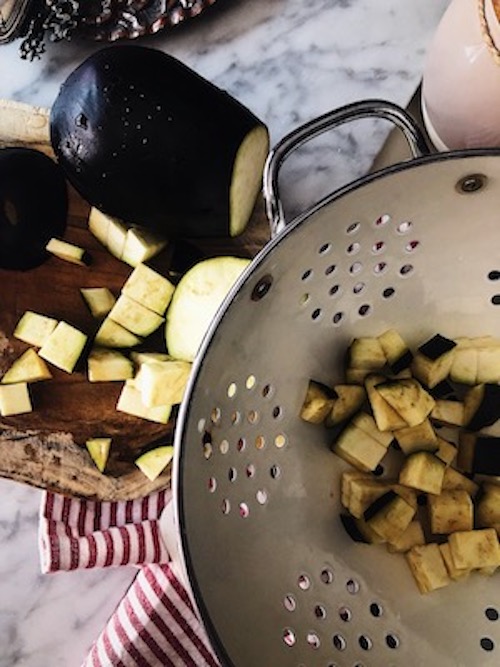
(195, 302)
(146, 139)
(33, 207)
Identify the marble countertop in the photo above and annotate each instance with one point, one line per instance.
(288, 61)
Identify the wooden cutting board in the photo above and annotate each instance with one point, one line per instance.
(46, 448)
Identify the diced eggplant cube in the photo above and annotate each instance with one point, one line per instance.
(408, 398)
(481, 406)
(106, 365)
(454, 479)
(147, 287)
(386, 417)
(488, 365)
(447, 412)
(34, 328)
(488, 507)
(412, 536)
(464, 366)
(423, 471)
(475, 549)
(389, 515)
(112, 334)
(359, 448)
(447, 451)
(367, 423)
(68, 251)
(141, 245)
(427, 567)
(135, 317)
(29, 367)
(317, 403)
(454, 572)
(345, 485)
(356, 375)
(163, 382)
(479, 454)
(363, 492)
(436, 347)
(417, 438)
(100, 300)
(396, 351)
(367, 354)
(347, 401)
(14, 399)
(450, 511)
(443, 390)
(130, 401)
(63, 347)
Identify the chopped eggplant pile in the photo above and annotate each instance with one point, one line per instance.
(147, 140)
(154, 380)
(33, 207)
(429, 416)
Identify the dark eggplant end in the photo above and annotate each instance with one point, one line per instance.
(33, 207)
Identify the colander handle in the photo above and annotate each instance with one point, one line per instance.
(355, 111)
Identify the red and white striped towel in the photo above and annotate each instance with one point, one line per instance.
(155, 623)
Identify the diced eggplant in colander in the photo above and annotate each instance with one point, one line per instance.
(397, 352)
(389, 515)
(366, 354)
(384, 414)
(428, 567)
(450, 511)
(318, 402)
(448, 412)
(145, 139)
(348, 399)
(488, 507)
(479, 454)
(481, 406)
(421, 437)
(412, 536)
(408, 398)
(475, 549)
(433, 360)
(423, 471)
(358, 448)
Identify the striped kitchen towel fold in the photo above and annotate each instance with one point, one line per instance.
(155, 624)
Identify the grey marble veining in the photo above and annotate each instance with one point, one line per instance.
(289, 61)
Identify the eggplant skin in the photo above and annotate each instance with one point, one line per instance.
(33, 207)
(144, 138)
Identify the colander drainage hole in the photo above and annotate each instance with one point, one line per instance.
(487, 644)
(339, 642)
(392, 641)
(491, 614)
(320, 611)
(290, 603)
(326, 576)
(352, 586)
(365, 643)
(244, 510)
(376, 610)
(304, 582)
(313, 640)
(289, 637)
(345, 614)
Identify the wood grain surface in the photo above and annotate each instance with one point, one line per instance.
(46, 448)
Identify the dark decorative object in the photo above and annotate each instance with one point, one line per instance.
(39, 21)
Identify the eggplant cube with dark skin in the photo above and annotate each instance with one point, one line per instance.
(156, 144)
(481, 406)
(318, 402)
(408, 398)
(412, 536)
(396, 351)
(363, 491)
(428, 567)
(347, 401)
(366, 354)
(488, 507)
(432, 362)
(479, 454)
(421, 437)
(386, 417)
(389, 515)
(423, 471)
(450, 511)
